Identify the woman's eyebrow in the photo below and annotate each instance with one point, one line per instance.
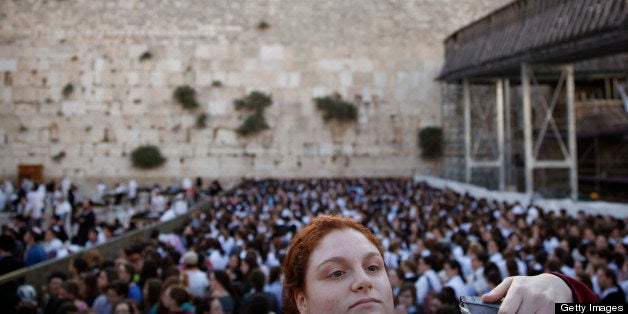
(339, 259)
(335, 259)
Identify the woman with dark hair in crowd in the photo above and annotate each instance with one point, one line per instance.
(151, 293)
(174, 298)
(247, 266)
(406, 300)
(105, 277)
(221, 288)
(88, 288)
(209, 305)
(70, 291)
(233, 268)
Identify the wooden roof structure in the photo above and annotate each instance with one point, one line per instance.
(540, 31)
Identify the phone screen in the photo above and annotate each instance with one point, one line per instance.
(474, 305)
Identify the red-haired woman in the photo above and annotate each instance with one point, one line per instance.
(336, 265)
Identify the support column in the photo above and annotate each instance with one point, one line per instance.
(527, 129)
(507, 134)
(499, 97)
(571, 130)
(467, 129)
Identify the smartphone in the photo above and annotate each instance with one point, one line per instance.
(474, 305)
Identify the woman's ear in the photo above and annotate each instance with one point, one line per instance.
(301, 301)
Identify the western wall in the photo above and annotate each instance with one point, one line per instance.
(83, 83)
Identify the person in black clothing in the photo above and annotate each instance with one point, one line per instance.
(254, 298)
(612, 293)
(215, 188)
(86, 220)
(8, 263)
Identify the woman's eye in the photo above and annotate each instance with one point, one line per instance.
(337, 274)
(373, 268)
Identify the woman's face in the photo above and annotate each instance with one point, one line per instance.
(122, 308)
(213, 283)
(165, 299)
(345, 274)
(215, 307)
(102, 281)
(406, 298)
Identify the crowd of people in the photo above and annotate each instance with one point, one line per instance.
(438, 245)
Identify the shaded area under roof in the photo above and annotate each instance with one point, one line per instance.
(540, 31)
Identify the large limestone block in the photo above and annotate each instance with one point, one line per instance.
(345, 78)
(72, 107)
(219, 107)
(271, 52)
(203, 52)
(8, 65)
(226, 137)
(169, 65)
(361, 65)
(289, 79)
(330, 65)
(25, 95)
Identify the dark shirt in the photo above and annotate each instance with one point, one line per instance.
(8, 295)
(34, 254)
(273, 304)
(615, 295)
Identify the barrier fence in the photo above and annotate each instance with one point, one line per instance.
(37, 275)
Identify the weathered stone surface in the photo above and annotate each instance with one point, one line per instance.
(382, 55)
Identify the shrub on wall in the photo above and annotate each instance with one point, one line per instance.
(146, 56)
(68, 89)
(147, 157)
(186, 96)
(333, 107)
(59, 156)
(253, 124)
(201, 120)
(431, 142)
(255, 101)
(256, 122)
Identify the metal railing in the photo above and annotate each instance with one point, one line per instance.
(37, 274)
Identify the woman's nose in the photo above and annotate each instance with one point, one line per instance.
(362, 281)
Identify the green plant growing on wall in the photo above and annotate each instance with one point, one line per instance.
(59, 156)
(253, 124)
(431, 142)
(147, 157)
(216, 83)
(333, 107)
(263, 25)
(68, 89)
(201, 120)
(186, 96)
(257, 102)
(146, 56)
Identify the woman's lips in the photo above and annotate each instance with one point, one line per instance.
(364, 301)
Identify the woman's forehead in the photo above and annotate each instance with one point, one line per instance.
(343, 242)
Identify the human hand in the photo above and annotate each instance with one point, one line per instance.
(529, 294)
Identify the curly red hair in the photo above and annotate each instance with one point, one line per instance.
(301, 247)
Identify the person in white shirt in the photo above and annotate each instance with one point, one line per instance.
(132, 192)
(428, 281)
(94, 238)
(454, 280)
(475, 281)
(180, 205)
(158, 202)
(52, 244)
(195, 279)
